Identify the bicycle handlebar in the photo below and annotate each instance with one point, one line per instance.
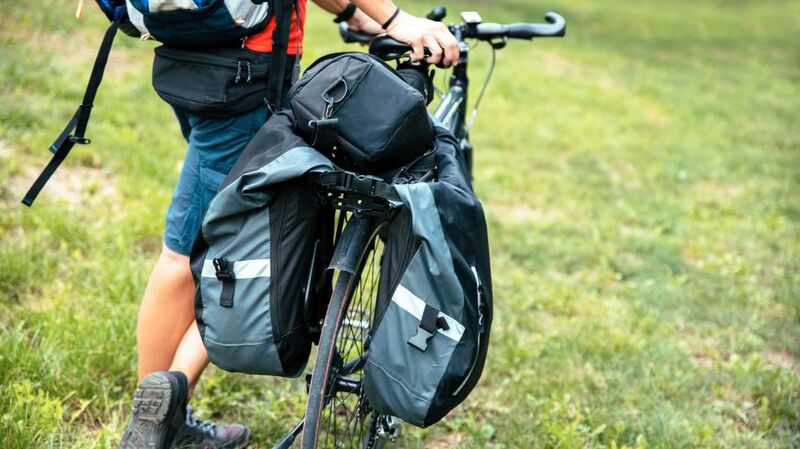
(556, 26)
(354, 37)
(382, 44)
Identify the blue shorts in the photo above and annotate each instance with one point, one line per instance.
(214, 146)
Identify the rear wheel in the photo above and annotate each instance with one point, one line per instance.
(338, 414)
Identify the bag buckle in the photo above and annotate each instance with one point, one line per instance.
(420, 340)
(428, 325)
(223, 270)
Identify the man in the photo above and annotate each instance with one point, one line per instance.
(171, 355)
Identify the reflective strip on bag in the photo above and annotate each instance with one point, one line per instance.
(242, 269)
(414, 305)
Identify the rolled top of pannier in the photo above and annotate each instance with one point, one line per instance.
(357, 109)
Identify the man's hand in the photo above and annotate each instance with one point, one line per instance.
(422, 33)
(365, 24)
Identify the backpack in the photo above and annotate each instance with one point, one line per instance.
(356, 108)
(255, 254)
(197, 23)
(434, 301)
(184, 24)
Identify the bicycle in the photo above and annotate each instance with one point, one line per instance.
(338, 413)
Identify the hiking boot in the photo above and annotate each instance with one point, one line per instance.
(159, 408)
(199, 434)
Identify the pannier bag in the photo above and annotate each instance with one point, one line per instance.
(253, 256)
(434, 306)
(362, 112)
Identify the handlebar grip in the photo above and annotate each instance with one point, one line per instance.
(352, 37)
(556, 26)
(520, 31)
(437, 14)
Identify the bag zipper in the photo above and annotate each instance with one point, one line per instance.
(364, 57)
(481, 330)
(239, 65)
(221, 62)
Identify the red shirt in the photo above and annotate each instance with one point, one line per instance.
(263, 41)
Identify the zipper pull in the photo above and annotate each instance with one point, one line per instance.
(481, 300)
(244, 41)
(481, 310)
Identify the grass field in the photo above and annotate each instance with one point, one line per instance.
(642, 183)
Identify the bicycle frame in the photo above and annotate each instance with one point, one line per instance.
(452, 110)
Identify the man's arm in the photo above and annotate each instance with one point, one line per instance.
(417, 32)
(359, 21)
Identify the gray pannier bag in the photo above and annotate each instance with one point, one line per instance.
(254, 254)
(434, 303)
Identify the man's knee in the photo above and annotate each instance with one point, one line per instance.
(171, 261)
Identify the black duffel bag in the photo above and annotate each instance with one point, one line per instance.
(357, 109)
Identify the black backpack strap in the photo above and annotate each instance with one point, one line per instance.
(280, 44)
(67, 139)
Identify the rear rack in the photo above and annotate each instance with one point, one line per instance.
(360, 194)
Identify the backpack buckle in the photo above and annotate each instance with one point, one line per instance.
(80, 140)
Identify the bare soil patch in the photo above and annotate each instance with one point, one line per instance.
(73, 185)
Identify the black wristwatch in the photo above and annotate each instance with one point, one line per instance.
(347, 14)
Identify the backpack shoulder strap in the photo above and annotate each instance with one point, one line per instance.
(66, 140)
(280, 44)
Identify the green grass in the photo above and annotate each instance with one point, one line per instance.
(642, 184)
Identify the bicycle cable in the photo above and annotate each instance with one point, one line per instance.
(474, 117)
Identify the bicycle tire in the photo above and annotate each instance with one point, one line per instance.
(348, 285)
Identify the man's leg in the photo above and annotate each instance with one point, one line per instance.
(191, 357)
(167, 335)
(166, 319)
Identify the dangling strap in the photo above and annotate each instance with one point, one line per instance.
(280, 44)
(66, 140)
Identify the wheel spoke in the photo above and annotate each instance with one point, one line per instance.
(340, 416)
(346, 414)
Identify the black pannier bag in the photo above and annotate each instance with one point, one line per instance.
(434, 306)
(253, 256)
(356, 108)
